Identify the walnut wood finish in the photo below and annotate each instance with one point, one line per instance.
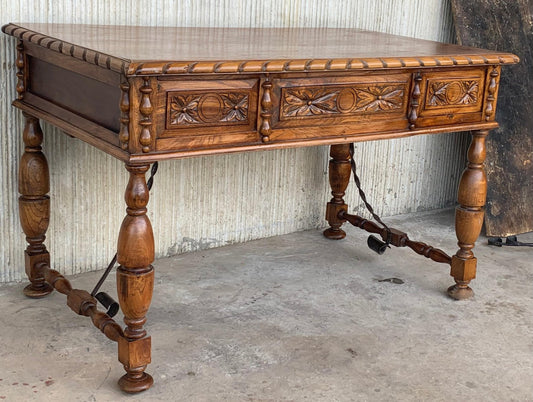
(145, 94)
(397, 238)
(337, 86)
(34, 206)
(135, 282)
(154, 50)
(339, 177)
(81, 302)
(469, 217)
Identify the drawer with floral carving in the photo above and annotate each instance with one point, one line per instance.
(200, 113)
(457, 96)
(347, 103)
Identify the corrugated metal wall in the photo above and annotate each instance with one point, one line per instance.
(207, 202)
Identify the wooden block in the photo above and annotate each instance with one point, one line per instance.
(332, 212)
(463, 270)
(32, 260)
(134, 353)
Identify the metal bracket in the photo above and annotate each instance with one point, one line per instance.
(509, 241)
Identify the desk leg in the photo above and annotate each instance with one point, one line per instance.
(339, 177)
(34, 206)
(469, 217)
(135, 282)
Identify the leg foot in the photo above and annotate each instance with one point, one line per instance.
(460, 291)
(132, 382)
(334, 233)
(35, 291)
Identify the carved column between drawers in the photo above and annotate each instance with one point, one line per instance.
(124, 134)
(20, 62)
(266, 111)
(146, 108)
(491, 94)
(414, 102)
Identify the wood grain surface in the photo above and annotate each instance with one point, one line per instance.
(170, 50)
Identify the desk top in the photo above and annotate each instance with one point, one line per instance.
(168, 50)
(145, 94)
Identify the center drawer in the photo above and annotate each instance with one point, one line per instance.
(344, 104)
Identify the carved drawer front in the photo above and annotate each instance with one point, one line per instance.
(321, 107)
(452, 97)
(199, 114)
(301, 101)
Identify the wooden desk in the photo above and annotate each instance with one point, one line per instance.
(149, 94)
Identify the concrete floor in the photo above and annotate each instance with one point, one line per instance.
(295, 318)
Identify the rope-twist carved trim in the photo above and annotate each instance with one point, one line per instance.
(131, 68)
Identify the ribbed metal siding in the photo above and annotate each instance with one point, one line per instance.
(206, 202)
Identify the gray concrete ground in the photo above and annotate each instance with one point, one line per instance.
(295, 318)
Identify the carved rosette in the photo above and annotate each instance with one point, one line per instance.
(341, 100)
(146, 108)
(414, 102)
(266, 111)
(453, 93)
(199, 109)
(491, 97)
(124, 134)
(20, 70)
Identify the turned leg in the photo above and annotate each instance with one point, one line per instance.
(469, 217)
(135, 282)
(339, 176)
(34, 206)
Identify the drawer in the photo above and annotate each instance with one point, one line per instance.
(449, 97)
(199, 114)
(323, 107)
(304, 101)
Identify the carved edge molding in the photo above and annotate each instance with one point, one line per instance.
(132, 68)
(312, 65)
(146, 108)
(78, 52)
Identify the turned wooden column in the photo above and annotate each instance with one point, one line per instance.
(339, 176)
(135, 282)
(469, 217)
(34, 206)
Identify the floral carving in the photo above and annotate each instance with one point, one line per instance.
(184, 109)
(443, 93)
(190, 109)
(342, 100)
(235, 107)
(307, 102)
(378, 98)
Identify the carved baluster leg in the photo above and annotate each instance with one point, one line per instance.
(339, 176)
(135, 282)
(34, 206)
(469, 217)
